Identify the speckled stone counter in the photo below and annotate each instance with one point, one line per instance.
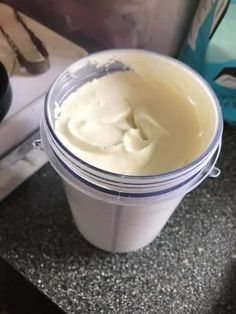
(190, 268)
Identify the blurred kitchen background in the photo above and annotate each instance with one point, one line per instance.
(97, 24)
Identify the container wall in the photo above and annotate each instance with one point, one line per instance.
(117, 228)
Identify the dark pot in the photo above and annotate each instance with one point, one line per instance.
(5, 92)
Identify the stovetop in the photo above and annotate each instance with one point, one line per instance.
(29, 90)
(19, 127)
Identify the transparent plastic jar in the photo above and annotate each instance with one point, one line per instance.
(122, 213)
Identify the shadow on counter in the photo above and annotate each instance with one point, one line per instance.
(19, 296)
(227, 300)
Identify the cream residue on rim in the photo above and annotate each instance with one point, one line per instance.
(130, 124)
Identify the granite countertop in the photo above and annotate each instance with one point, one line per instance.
(190, 268)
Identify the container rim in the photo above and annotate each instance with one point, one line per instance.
(216, 139)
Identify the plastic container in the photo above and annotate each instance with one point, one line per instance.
(121, 213)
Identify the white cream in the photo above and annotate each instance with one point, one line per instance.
(130, 123)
